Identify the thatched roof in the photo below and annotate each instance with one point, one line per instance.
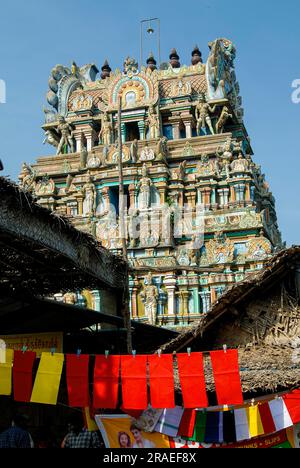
(255, 283)
(42, 252)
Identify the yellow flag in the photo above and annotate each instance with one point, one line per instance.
(47, 381)
(6, 373)
(254, 421)
(90, 423)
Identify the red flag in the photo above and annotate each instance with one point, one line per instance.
(78, 380)
(227, 377)
(106, 381)
(292, 402)
(191, 373)
(22, 375)
(134, 382)
(266, 418)
(161, 381)
(187, 424)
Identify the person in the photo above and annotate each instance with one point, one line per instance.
(17, 436)
(124, 440)
(79, 437)
(140, 442)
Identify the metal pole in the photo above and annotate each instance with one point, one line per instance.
(125, 304)
(159, 58)
(141, 55)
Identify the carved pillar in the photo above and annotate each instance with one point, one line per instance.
(226, 197)
(123, 132)
(134, 302)
(213, 293)
(141, 125)
(248, 193)
(191, 198)
(184, 302)
(170, 284)
(162, 188)
(206, 197)
(131, 190)
(80, 204)
(232, 194)
(176, 131)
(90, 136)
(78, 135)
(188, 125)
(221, 197)
(206, 301)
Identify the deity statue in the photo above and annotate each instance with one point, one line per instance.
(130, 66)
(162, 149)
(51, 138)
(202, 111)
(94, 162)
(106, 130)
(70, 298)
(134, 151)
(225, 154)
(27, 178)
(225, 115)
(69, 183)
(150, 299)
(66, 135)
(89, 204)
(240, 165)
(105, 153)
(153, 123)
(145, 189)
(179, 173)
(83, 157)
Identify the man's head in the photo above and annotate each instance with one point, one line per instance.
(75, 423)
(20, 420)
(136, 432)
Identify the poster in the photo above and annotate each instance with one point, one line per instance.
(121, 431)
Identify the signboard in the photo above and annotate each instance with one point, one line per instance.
(40, 343)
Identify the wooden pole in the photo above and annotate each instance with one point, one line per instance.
(122, 214)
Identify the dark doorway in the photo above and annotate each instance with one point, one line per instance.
(132, 131)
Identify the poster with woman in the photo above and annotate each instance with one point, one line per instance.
(121, 431)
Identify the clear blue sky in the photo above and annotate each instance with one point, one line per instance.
(35, 35)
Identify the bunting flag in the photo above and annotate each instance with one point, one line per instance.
(22, 375)
(162, 392)
(191, 374)
(241, 425)
(187, 424)
(6, 373)
(254, 420)
(89, 420)
(280, 414)
(200, 426)
(266, 418)
(106, 381)
(78, 380)
(134, 382)
(47, 381)
(227, 377)
(229, 431)
(169, 421)
(214, 427)
(292, 403)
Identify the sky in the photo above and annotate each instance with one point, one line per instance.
(37, 34)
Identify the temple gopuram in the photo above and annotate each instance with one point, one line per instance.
(199, 213)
